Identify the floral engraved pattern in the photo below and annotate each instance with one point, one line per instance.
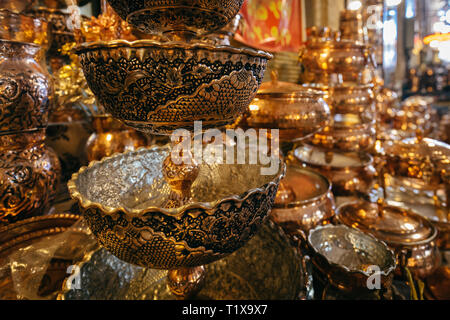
(29, 177)
(163, 88)
(157, 240)
(24, 88)
(199, 16)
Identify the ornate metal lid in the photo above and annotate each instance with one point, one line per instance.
(391, 224)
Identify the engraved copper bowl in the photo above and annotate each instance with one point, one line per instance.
(122, 197)
(345, 255)
(160, 87)
(192, 16)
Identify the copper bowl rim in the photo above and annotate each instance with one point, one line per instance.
(302, 92)
(302, 203)
(23, 43)
(36, 233)
(170, 45)
(339, 86)
(389, 251)
(175, 212)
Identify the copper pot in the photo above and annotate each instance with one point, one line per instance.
(25, 88)
(347, 134)
(350, 173)
(297, 112)
(412, 237)
(304, 201)
(325, 58)
(29, 175)
(111, 136)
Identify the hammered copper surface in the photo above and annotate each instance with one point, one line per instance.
(345, 255)
(122, 200)
(158, 87)
(253, 272)
(193, 16)
(29, 175)
(25, 88)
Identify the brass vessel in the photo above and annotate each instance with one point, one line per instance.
(328, 60)
(345, 255)
(111, 137)
(187, 16)
(351, 174)
(29, 233)
(29, 175)
(304, 201)
(159, 87)
(295, 111)
(412, 237)
(122, 198)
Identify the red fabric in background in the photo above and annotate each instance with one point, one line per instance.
(272, 25)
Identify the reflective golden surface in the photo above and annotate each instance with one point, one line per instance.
(350, 173)
(296, 111)
(28, 232)
(25, 87)
(229, 203)
(24, 28)
(187, 16)
(159, 87)
(409, 234)
(304, 200)
(29, 175)
(345, 255)
(111, 137)
(327, 59)
(251, 273)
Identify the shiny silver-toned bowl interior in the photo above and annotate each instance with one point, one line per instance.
(253, 272)
(351, 249)
(134, 181)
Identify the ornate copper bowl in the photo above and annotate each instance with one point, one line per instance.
(110, 137)
(345, 256)
(20, 27)
(193, 16)
(160, 87)
(121, 198)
